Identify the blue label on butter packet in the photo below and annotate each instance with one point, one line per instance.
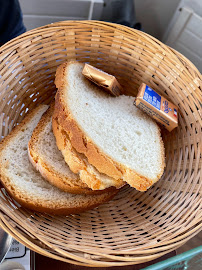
(152, 97)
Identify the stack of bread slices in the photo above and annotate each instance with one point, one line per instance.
(78, 152)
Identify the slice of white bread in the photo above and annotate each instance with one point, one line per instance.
(48, 160)
(27, 186)
(117, 138)
(79, 164)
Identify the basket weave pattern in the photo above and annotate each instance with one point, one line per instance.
(135, 227)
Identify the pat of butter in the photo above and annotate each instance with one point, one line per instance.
(157, 107)
(102, 79)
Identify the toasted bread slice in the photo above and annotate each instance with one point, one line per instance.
(117, 138)
(27, 186)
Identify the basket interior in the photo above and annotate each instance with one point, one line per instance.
(140, 225)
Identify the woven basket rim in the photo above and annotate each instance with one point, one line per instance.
(43, 252)
(116, 26)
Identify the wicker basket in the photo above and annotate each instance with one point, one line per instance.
(135, 227)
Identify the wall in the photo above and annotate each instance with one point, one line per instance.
(155, 15)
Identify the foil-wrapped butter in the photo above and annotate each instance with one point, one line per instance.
(103, 79)
(157, 107)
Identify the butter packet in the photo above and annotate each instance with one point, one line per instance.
(157, 107)
(103, 79)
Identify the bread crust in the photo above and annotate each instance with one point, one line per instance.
(80, 164)
(57, 179)
(86, 146)
(55, 208)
